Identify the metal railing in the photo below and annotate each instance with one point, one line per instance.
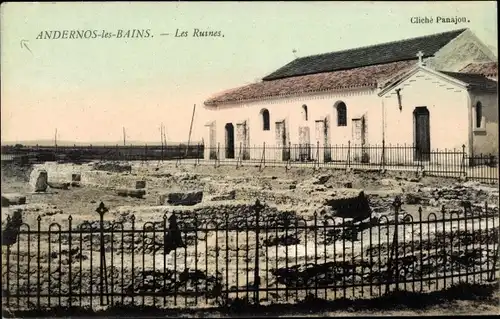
(455, 163)
(109, 153)
(265, 257)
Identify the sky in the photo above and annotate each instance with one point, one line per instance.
(89, 89)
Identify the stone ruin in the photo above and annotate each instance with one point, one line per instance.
(39, 180)
(181, 198)
(11, 229)
(13, 199)
(357, 208)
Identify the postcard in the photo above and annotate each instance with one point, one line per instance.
(223, 158)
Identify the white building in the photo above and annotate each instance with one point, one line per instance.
(410, 92)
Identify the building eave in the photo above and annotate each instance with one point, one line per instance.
(281, 96)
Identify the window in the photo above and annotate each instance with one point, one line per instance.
(341, 114)
(265, 119)
(304, 112)
(479, 114)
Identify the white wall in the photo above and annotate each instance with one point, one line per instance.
(485, 138)
(319, 106)
(447, 104)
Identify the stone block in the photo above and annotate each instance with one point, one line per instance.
(414, 198)
(113, 167)
(38, 180)
(357, 208)
(58, 185)
(13, 199)
(11, 230)
(230, 195)
(5, 202)
(185, 198)
(130, 192)
(321, 179)
(140, 184)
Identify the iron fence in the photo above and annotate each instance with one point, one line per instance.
(190, 260)
(75, 153)
(455, 163)
(444, 163)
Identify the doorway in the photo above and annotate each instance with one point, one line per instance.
(421, 134)
(229, 140)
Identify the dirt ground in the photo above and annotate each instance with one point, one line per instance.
(303, 187)
(84, 200)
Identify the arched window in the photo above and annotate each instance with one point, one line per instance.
(265, 120)
(304, 112)
(479, 114)
(341, 114)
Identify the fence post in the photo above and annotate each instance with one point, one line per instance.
(264, 154)
(103, 274)
(383, 157)
(493, 270)
(289, 155)
(316, 162)
(197, 154)
(348, 155)
(464, 164)
(239, 157)
(258, 208)
(218, 155)
(392, 263)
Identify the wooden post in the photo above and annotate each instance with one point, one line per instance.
(161, 139)
(190, 129)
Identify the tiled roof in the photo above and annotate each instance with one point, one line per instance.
(355, 78)
(474, 80)
(485, 68)
(370, 55)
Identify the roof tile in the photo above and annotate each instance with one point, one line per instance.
(485, 68)
(370, 55)
(359, 77)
